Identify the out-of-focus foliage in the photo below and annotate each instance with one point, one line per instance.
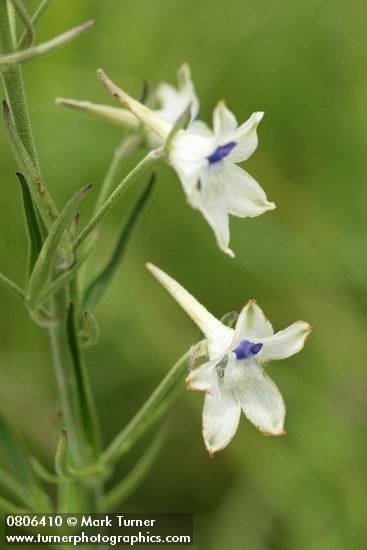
(304, 64)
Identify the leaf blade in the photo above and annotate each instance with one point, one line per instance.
(44, 263)
(98, 286)
(33, 230)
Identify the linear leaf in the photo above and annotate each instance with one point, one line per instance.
(40, 196)
(98, 286)
(45, 260)
(91, 331)
(88, 412)
(35, 19)
(157, 404)
(12, 287)
(67, 276)
(61, 454)
(33, 230)
(14, 458)
(41, 49)
(140, 470)
(27, 22)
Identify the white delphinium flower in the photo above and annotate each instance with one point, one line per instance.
(206, 162)
(233, 378)
(170, 102)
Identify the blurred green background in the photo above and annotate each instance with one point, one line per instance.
(303, 63)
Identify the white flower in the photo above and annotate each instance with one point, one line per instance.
(233, 379)
(206, 162)
(171, 102)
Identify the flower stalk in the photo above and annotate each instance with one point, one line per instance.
(139, 169)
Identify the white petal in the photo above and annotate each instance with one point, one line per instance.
(213, 210)
(200, 128)
(218, 335)
(246, 138)
(262, 402)
(221, 416)
(285, 343)
(187, 155)
(252, 324)
(224, 122)
(241, 195)
(173, 101)
(187, 88)
(226, 188)
(204, 377)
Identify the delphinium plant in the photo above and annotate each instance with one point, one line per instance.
(59, 297)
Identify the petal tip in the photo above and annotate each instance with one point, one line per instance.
(229, 252)
(275, 433)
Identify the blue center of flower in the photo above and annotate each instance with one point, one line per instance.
(221, 152)
(246, 349)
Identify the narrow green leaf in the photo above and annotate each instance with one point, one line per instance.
(99, 285)
(143, 165)
(45, 260)
(12, 287)
(61, 455)
(35, 19)
(14, 457)
(139, 471)
(40, 196)
(91, 331)
(41, 49)
(67, 276)
(43, 473)
(74, 225)
(157, 404)
(88, 413)
(13, 453)
(27, 22)
(17, 490)
(10, 508)
(33, 230)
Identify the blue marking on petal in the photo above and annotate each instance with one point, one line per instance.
(246, 348)
(255, 348)
(221, 152)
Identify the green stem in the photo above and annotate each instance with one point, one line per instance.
(143, 165)
(155, 406)
(13, 81)
(70, 377)
(71, 397)
(125, 148)
(127, 486)
(67, 381)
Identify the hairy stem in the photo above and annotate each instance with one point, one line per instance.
(143, 165)
(13, 81)
(76, 402)
(155, 406)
